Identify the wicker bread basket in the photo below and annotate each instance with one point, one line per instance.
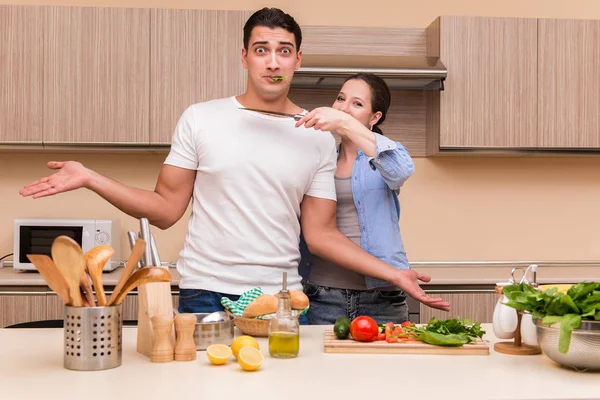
(252, 326)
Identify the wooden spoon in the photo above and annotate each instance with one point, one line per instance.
(87, 290)
(134, 258)
(142, 276)
(70, 260)
(95, 260)
(52, 275)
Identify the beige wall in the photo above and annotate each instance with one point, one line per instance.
(453, 208)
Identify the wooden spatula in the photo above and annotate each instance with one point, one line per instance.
(134, 258)
(52, 275)
(143, 276)
(87, 290)
(70, 260)
(95, 260)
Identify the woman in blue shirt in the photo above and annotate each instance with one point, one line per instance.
(370, 171)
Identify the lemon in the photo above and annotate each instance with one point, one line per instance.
(218, 354)
(250, 359)
(243, 341)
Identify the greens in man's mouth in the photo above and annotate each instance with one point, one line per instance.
(581, 302)
(277, 78)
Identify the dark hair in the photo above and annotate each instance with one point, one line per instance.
(380, 95)
(272, 18)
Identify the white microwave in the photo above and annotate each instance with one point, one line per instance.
(35, 236)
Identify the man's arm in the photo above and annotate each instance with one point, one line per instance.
(319, 228)
(163, 207)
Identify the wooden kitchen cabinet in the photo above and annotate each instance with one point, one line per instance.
(479, 306)
(195, 56)
(490, 96)
(17, 307)
(21, 74)
(96, 76)
(569, 83)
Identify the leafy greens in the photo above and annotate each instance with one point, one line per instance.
(582, 301)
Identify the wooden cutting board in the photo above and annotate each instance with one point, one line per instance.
(335, 345)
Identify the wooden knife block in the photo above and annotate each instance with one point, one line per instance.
(154, 299)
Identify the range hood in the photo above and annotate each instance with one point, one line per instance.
(399, 72)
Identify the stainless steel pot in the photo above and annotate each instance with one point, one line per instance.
(207, 333)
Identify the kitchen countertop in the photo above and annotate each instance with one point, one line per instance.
(31, 367)
(11, 277)
(440, 275)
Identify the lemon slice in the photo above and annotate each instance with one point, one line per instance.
(250, 359)
(218, 354)
(243, 341)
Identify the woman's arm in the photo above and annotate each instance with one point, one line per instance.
(390, 158)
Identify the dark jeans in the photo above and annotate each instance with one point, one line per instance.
(327, 304)
(205, 301)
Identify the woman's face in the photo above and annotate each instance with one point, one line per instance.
(355, 99)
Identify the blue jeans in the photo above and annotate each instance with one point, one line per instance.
(205, 301)
(327, 304)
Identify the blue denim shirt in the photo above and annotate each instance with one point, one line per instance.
(376, 183)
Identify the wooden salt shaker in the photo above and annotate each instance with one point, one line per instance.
(162, 348)
(185, 348)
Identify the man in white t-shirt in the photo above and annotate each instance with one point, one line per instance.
(254, 180)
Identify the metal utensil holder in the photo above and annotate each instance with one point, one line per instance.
(93, 338)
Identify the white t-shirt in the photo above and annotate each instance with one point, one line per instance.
(252, 173)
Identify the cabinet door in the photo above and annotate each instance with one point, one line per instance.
(477, 306)
(569, 83)
(195, 56)
(21, 55)
(490, 94)
(22, 307)
(96, 75)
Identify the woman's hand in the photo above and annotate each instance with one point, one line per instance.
(408, 280)
(326, 119)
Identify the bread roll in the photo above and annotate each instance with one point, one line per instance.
(298, 299)
(262, 305)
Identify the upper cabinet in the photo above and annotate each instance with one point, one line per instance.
(96, 75)
(490, 93)
(21, 62)
(195, 56)
(569, 84)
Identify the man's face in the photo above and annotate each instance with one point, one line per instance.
(271, 54)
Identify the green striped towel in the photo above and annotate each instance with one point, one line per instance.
(237, 307)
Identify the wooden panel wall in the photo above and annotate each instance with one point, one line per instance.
(96, 75)
(21, 50)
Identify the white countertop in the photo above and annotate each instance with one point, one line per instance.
(31, 367)
(11, 277)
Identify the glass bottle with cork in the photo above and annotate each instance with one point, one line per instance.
(284, 329)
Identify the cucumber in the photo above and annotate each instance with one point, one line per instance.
(342, 328)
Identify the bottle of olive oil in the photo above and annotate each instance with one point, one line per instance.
(284, 329)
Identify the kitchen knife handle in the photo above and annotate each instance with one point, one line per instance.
(145, 234)
(154, 250)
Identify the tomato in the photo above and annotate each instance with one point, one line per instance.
(407, 323)
(397, 331)
(381, 336)
(391, 340)
(364, 329)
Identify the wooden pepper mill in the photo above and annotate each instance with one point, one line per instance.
(185, 348)
(162, 347)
